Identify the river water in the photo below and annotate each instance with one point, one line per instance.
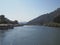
(30, 35)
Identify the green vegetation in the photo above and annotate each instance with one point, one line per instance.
(4, 20)
(52, 24)
(55, 23)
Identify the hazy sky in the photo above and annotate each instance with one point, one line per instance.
(26, 10)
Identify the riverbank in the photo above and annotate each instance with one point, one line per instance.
(51, 24)
(8, 26)
(6, 23)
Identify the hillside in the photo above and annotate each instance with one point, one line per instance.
(4, 20)
(45, 18)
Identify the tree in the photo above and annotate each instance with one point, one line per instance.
(57, 19)
(16, 22)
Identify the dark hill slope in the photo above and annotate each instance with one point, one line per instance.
(4, 20)
(45, 18)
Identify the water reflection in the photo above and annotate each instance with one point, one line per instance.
(1, 36)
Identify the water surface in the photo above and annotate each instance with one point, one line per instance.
(31, 35)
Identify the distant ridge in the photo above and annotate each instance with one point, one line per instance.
(45, 18)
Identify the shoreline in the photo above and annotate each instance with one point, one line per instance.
(8, 26)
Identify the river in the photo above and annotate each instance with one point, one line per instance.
(30, 35)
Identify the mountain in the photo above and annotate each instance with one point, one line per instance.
(45, 18)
